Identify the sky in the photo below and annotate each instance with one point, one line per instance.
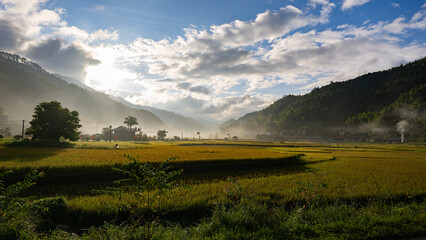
(213, 60)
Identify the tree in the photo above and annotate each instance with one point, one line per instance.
(130, 121)
(161, 134)
(52, 121)
(106, 133)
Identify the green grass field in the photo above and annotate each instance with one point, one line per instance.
(372, 189)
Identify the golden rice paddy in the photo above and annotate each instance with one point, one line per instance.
(331, 171)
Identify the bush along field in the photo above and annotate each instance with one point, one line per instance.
(213, 190)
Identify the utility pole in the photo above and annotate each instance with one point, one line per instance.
(110, 133)
(23, 123)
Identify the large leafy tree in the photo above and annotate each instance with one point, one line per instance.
(52, 121)
(161, 134)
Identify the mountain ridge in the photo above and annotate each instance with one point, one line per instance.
(20, 60)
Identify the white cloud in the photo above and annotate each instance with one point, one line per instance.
(401, 25)
(99, 8)
(104, 34)
(326, 9)
(27, 18)
(395, 5)
(348, 4)
(266, 26)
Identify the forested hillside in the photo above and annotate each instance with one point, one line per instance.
(380, 100)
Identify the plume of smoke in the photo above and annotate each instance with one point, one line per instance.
(241, 132)
(411, 113)
(402, 127)
(374, 128)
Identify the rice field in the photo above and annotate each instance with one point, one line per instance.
(273, 174)
(103, 154)
(330, 173)
(349, 170)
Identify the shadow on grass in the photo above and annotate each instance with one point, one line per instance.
(222, 169)
(31, 150)
(80, 180)
(71, 180)
(27, 154)
(257, 144)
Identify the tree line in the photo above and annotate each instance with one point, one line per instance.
(51, 121)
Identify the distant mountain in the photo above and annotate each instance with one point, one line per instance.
(173, 120)
(75, 82)
(376, 99)
(24, 84)
(227, 123)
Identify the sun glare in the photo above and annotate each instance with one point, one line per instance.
(107, 75)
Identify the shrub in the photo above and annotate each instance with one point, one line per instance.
(16, 221)
(49, 212)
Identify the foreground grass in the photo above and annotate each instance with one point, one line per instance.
(247, 220)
